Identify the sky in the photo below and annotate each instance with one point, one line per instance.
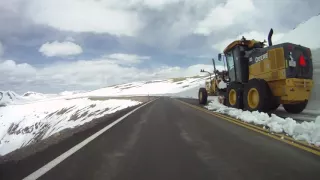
(51, 46)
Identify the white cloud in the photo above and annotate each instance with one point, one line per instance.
(120, 58)
(1, 49)
(125, 17)
(102, 16)
(83, 74)
(60, 49)
(70, 39)
(12, 73)
(12, 5)
(225, 15)
(259, 36)
(163, 24)
(157, 4)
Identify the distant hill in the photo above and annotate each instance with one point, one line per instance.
(8, 97)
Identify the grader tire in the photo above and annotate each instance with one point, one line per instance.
(234, 95)
(257, 95)
(295, 108)
(203, 96)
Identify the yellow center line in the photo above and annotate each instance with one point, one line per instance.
(312, 149)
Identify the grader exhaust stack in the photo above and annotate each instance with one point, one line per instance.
(270, 37)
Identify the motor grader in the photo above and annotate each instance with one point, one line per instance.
(216, 85)
(260, 78)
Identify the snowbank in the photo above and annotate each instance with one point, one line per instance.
(21, 125)
(304, 34)
(306, 131)
(314, 103)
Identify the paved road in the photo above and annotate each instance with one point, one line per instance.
(169, 140)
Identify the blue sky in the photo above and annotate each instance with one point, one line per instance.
(57, 45)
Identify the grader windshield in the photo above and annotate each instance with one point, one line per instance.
(230, 65)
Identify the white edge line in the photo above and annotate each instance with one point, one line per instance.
(44, 169)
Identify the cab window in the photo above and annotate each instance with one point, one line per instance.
(230, 60)
(230, 64)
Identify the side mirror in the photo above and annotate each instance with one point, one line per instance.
(219, 56)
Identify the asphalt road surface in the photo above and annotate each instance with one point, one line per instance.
(167, 140)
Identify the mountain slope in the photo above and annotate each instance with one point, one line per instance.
(26, 124)
(8, 97)
(155, 87)
(66, 93)
(142, 88)
(36, 96)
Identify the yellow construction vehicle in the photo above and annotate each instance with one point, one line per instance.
(261, 78)
(216, 86)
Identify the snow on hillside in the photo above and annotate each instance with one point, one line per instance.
(42, 115)
(190, 93)
(67, 93)
(156, 87)
(305, 34)
(8, 97)
(21, 125)
(306, 131)
(143, 88)
(36, 96)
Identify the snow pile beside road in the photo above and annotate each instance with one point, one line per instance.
(21, 125)
(306, 131)
(314, 101)
(304, 34)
